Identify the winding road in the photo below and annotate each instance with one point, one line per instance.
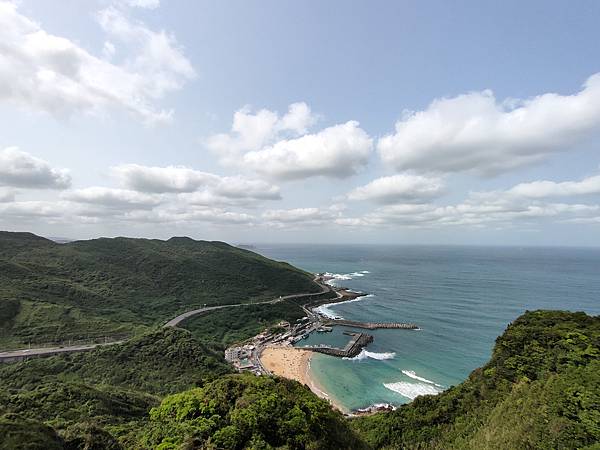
(180, 318)
(17, 355)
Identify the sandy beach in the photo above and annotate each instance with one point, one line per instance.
(294, 363)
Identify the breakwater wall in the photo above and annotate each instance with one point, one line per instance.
(352, 348)
(373, 325)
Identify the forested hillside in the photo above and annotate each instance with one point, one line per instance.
(540, 390)
(53, 292)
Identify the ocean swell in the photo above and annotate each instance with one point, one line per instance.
(412, 390)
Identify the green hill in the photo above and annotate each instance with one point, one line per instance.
(53, 292)
(111, 389)
(540, 390)
(245, 411)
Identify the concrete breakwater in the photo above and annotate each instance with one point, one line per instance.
(352, 348)
(373, 325)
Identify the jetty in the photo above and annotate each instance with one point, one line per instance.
(373, 325)
(352, 348)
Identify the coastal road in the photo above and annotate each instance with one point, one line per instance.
(17, 355)
(180, 318)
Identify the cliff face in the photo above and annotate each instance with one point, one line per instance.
(541, 389)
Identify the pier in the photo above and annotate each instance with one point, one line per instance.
(373, 325)
(352, 348)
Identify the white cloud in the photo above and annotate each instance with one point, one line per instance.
(162, 179)
(474, 132)
(146, 4)
(544, 188)
(251, 131)
(300, 217)
(156, 55)
(399, 189)
(113, 198)
(7, 195)
(28, 210)
(209, 215)
(20, 169)
(282, 148)
(53, 74)
(474, 211)
(338, 151)
(200, 188)
(242, 188)
(117, 208)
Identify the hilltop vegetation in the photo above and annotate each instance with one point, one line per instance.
(245, 411)
(111, 388)
(53, 292)
(540, 390)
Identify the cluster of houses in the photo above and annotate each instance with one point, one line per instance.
(246, 357)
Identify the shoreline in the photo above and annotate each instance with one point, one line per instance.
(295, 364)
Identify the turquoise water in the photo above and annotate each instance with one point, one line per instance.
(461, 297)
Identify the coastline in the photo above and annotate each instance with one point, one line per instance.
(294, 363)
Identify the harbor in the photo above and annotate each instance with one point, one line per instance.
(246, 356)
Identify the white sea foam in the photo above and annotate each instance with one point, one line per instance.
(414, 376)
(326, 311)
(344, 276)
(412, 390)
(364, 354)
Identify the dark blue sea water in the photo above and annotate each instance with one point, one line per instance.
(461, 297)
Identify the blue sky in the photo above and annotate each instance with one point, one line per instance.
(402, 122)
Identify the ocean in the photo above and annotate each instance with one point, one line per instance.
(462, 298)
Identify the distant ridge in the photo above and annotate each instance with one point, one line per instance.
(55, 292)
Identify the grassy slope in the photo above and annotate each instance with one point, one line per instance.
(54, 292)
(541, 389)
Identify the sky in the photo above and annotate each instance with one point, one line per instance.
(389, 122)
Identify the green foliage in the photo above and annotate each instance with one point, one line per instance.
(89, 437)
(17, 433)
(228, 326)
(109, 390)
(164, 361)
(9, 308)
(109, 286)
(65, 403)
(541, 389)
(245, 411)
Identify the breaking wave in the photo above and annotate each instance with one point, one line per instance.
(414, 376)
(344, 276)
(412, 390)
(364, 354)
(326, 311)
